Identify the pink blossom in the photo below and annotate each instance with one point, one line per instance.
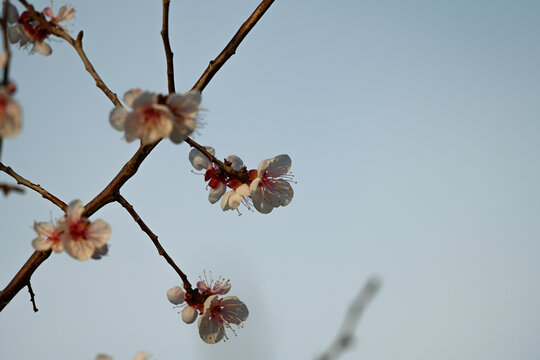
(48, 237)
(271, 188)
(80, 236)
(220, 314)
(209, 287)
(150, 119)
(10, 115)
(185, 108)
(25, 31)
(64, 14)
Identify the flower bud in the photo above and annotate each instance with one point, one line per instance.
(189, 314)
(175, 295)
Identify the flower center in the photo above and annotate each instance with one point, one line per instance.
(151, 115)
(77, 229)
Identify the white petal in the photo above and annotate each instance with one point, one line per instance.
(12, 13)
(79, 249)
(145, 99)
(42, 47)
(234, 311)
(65, 13)
(189, 314)
(259, 202)
(243, 190)
(43, 228)
(14, 35)
(75, 210)
(215, 194)
(141, 355)
(98, 232)
(276, 166)
(133, 125)
(131, 95)
(41, 243)
(11, 124)
(231, 200)
(117, 117)
(186, 105)
(198, 160)
(237, 163)
(175, 295)
(209, 330)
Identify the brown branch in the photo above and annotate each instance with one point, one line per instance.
(5, 7)
(231, 47)
(167, 45)
(36, 187)
(346, 334)
(23, 277)
(32, 296)
(7, 188)
(77, 44)
(122, 201)
(111, 192)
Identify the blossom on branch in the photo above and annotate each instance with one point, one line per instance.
(10, 114)
(220, 314)
(25, 30)
(80, 236)
(217, 314)
(271, 188)
(154, 116)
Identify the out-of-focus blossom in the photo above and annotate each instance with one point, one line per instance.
(25, 31)
(103, 357)
(80, 236)
(185, 108)
(48, 237)
(100, 252)
(221, 314)
(272, 188)
(10, 114)
(141, 355)
(150, 119)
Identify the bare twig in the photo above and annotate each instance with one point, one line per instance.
(352, 317)
(36, 187)
(231, 47)
(5, 7)
(154, 239)
(23, 277)
(7, 188)
(77, 44)
(32, 296)
(166, 44)
(111, 192)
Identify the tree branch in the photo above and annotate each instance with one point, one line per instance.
(5, 6)
(154, 238)
(32, 296)
(231, 47)
(352, 317)
(7, 188)
(36, 187)
(166, 44)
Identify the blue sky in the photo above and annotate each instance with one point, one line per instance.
(413, 129)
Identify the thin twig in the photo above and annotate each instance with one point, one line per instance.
(36, 187)
(122, 201)
(5, 7)
(77, 44)
(167, 45)
(231, 47)
(23, 277)
(346, 334)
(7, 188)
(32, 296)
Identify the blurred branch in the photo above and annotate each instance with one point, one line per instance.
(166, 44)
(346, 333)
(5, 6)
(7, 188)
(77, 45)
(231, 47)
(36, 187)
(154, 238)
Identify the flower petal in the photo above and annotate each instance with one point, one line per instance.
(198, 160)
(189, 314)
(79, 249)
(117, 117)
(131, 95)
(175, 295)
(98, 232)
(42, 47)
(237, 163)
(215, 194)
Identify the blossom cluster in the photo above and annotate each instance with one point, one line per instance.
(10, 113)
(141, 355)
(78, 236)
(154, 116)
(26, 31)
(265, 188)
(217, 314)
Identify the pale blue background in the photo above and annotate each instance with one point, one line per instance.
(414, 132)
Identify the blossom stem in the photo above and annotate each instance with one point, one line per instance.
(122, 201)
(36, 187)
(167, 45)
(32, 296)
